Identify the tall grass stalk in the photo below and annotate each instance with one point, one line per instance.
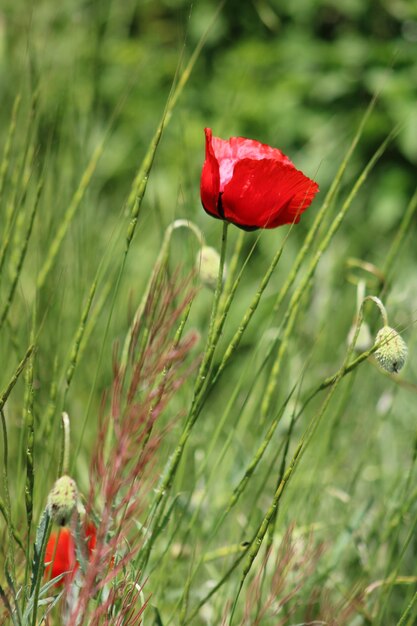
(303, 443)
(294, 305)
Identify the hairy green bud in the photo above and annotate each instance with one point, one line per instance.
(392, 351)
(62, 500)
(208, 263)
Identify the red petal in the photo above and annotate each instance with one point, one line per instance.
(266, 193)
(60, 548)
(229, 153)
(210, 178)
(60, 552)
(91, 536)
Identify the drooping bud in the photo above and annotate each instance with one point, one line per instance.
(392, 351)
(208, 263)
(62, 500)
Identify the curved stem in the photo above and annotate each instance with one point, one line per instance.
(171, 467)
(380, 306)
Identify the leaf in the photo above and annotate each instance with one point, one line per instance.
(157, 617)
(38, 551)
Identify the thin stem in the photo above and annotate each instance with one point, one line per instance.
(300, 449)
(65, 443)
(171, 467)
(29, 424)
(407, 611)
(360, 295)
(235, 341)
(158, 267)
(327, 203)
(380, 306)
(294, 306)
(219, 286)
(231, 270)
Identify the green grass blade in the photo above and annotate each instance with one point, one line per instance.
(21, 258)
(294, 306)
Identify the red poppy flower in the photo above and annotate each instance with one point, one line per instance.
(60, 553)
(252, 185)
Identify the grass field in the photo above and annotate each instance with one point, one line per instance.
(241, 446)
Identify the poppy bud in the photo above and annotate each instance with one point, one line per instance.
(62, 500)
(208, 263)
(392, 352)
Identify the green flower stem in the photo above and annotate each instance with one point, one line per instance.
(134, 202)
(213, 336)
(4, 396)
(234, 343)
(237, 492)
(395, 527)
(151, 287)
(171, 467)
(212, 477)
(86, 325)
(161, 387)
(231, 270)
(28, 421)
(299, 451)
(135, 198)
(217, 586)
(271, 529)
(256, 544)
(239, 489)
(292, 311)
(380, 306)
(214, 311)
(45, 428)
(328, 382)
(159, 266)
(65, 445)
(402, 621)
(93, 318)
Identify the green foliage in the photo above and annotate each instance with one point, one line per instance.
(277, 476)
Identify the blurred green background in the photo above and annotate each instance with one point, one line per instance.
(296, 75)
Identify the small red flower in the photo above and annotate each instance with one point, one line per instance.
(60, 553)
(252, 185)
